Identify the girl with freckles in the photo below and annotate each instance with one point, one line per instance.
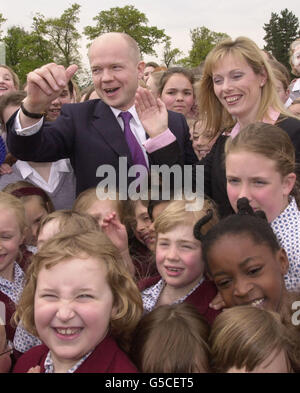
(83, 305)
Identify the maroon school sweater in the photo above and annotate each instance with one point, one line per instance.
(10, 308)
(107, 357)
(200, 298)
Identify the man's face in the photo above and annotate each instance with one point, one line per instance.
(115, 70)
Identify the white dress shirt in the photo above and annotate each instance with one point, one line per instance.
(56, 171)
(135, 125)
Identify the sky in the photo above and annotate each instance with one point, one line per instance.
(176, 17)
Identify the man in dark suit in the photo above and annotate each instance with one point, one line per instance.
(91, 134)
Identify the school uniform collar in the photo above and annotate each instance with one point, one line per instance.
(13, 289)
(296, 85)
(49, 365)
(26, 170)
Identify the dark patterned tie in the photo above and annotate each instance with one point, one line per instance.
(134, 146)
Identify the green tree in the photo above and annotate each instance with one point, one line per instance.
(203, 40)
(127, 20)
(2, 20)
(62, 34)
(25, 51)
(170, 55)
(15, 49)
(281, 31)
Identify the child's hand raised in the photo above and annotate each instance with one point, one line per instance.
(116, 231)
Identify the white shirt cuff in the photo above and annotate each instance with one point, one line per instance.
(28, 131)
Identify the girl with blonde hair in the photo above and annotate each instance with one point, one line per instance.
(109, 215)
(253, 340)
(37, 204)
(12, 277)
(82, 303)
(172, 339)
(238, 88)
(60, 221)
(179, 260)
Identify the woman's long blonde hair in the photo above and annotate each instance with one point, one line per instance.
(215, 116)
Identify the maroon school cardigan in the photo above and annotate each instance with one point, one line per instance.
(200, 298)
(10, 308)
(107, 357)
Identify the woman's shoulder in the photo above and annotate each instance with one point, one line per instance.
(288, 123)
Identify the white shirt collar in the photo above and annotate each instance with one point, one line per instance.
(26, 169)
(132, 110)
(296, 86)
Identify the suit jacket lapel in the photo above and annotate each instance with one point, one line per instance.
(108, 127)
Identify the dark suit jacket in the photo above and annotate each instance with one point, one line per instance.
(89, 134)
(214, 165)
(107, 357)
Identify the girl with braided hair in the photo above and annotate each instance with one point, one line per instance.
(243, 257)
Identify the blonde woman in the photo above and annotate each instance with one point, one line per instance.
(238, 88)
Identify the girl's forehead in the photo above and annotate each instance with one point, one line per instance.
(8, 211)
(234, 249)
(83, 262)
(5, 71)
(182, 231)
(231, 245)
